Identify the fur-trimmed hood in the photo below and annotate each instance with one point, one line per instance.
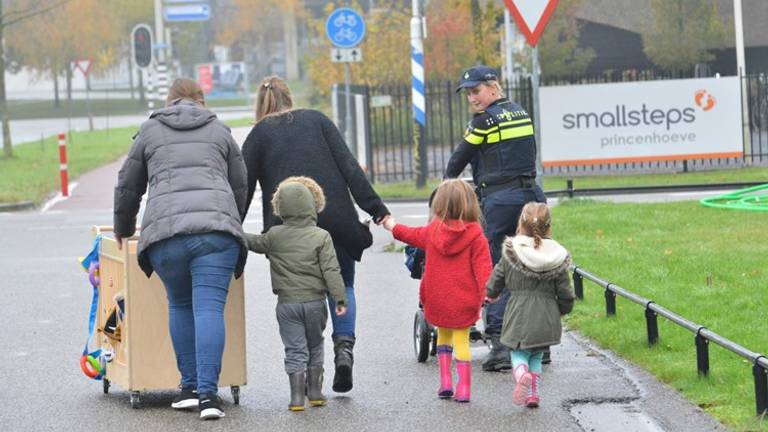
(544, 262)
(298, 200)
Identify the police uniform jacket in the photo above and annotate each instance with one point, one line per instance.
(500, 143)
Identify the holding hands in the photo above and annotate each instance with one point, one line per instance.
(388, 223)
(341, 310)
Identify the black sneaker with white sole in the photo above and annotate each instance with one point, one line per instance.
(186, 400)
(210, 407)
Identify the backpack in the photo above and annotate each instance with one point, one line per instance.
(414, 261)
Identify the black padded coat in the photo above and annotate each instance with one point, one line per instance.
(306, 143)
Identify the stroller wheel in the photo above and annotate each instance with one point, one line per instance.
(422, 337)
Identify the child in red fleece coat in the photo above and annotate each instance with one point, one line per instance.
(458, 264)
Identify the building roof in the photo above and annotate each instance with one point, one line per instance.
(636, 15)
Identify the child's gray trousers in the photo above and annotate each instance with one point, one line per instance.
(301, 328)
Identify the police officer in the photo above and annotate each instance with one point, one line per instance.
(500, 145)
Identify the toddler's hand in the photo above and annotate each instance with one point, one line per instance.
(341, 310)
(489, 300)
(389, 223)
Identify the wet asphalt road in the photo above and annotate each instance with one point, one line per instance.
(44, 317)
(43, 326)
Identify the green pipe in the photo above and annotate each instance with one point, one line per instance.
(739, 200)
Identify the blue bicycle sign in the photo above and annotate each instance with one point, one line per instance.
(345, 28)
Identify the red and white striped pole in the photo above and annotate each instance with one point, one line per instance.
(63, 164)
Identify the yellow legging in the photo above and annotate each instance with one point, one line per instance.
(456, 338)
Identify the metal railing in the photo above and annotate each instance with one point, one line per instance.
(571, 192)
(702, 335)
(391, 127)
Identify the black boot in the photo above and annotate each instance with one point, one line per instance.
(298, 383)
(343, 359)
(498, 359)
(315, 386)
(547, 357)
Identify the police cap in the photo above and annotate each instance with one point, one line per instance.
(476, 75)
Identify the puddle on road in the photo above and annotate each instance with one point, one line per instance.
(610, 417)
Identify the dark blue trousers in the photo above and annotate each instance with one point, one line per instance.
(501, 211)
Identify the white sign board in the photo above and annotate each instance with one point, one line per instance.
(346, 55)
(641, 121)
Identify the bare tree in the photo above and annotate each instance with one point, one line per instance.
(7, 19)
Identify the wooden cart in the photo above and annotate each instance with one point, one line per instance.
(143, 358)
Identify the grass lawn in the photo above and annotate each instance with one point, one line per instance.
(243, 122)
(33, 173)
(752, 174)
(405, 189)
(38, 109)
(667, 252)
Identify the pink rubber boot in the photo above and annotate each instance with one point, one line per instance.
(464, 386)
(522, 384)
(444, 357)
(532, 399)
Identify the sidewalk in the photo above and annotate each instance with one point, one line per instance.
(95, 190)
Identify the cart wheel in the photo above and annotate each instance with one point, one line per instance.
(105, 385)
(135, 399)
(421, 337)
(235, 394)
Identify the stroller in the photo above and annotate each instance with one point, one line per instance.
(424, 334)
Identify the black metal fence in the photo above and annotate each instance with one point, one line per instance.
(702, 335)
(391, 126)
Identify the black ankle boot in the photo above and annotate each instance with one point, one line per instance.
(343, 360)
(547, 357)
(498, 359)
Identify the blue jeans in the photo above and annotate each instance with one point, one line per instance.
(501, 210)
(196, 270)
(344, 325)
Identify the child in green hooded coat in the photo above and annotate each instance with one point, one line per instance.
(304, 271)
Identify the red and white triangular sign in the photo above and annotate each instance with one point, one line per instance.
(531, 16)
(83, 64)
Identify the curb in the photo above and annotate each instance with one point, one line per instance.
(17, 206)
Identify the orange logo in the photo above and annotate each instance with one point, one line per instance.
(704, 100)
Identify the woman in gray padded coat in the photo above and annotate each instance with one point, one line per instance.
(191, 233)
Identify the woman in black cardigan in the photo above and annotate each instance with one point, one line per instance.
(289, 142)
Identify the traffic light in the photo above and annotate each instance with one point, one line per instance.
(142, 45)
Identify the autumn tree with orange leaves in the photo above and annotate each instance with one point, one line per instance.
(249, 25)
(448, 48)
(94, 29)
(10, 18)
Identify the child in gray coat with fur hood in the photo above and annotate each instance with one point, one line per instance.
(534, 268)
(304, 272)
